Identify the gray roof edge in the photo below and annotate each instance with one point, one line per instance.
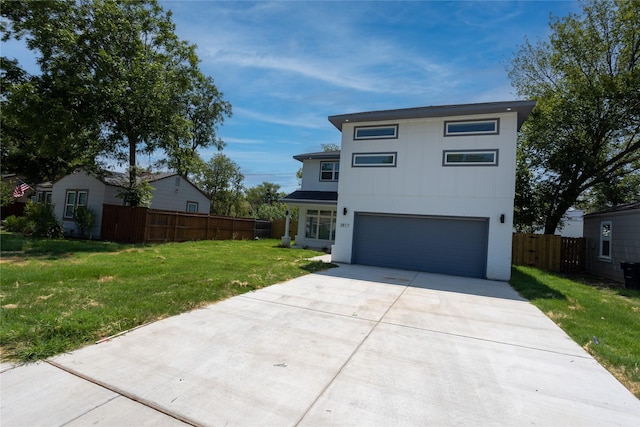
(318, 155)
(522, 107)
(624, 208)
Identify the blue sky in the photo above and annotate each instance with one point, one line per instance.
(286, 66)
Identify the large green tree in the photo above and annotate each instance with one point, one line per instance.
(222, 181)
(584, 133)
(117, 71)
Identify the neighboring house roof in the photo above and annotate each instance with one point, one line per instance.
(523, 108)
(618, 208)
(321, 155)
(312, 197)
(121, 179)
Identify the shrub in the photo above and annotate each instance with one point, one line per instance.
(41, 221)
(85, 218)
(15, 223)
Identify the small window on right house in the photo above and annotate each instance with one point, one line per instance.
(605, 240)
(472, 127)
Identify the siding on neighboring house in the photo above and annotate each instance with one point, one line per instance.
(173, 192)
(95, 199)
(625, 242)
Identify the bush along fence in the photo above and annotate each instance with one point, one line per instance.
(143, 225)
(549, 252)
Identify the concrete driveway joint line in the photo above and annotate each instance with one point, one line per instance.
(435, 331)
(346, 362)
(122, 393)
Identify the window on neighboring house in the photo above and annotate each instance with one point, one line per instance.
(472, 127)
(605, 240)
(321, 225)
(329, 171)
(192, 207)
(177, 181)
(373, 160)
(470, 158)
(375, 132)
(44, 197)
(73, 200)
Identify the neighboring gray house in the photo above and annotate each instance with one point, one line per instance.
(171, 192)
(613, 236)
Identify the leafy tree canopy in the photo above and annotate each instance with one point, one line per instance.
(583, 137)
(222, 181)
(115, 81)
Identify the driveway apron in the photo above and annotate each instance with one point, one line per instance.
(353, 345)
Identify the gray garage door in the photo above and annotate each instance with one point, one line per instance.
(444, 245)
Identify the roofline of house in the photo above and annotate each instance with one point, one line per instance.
(322, 155)
(522, 108)
(626, 208)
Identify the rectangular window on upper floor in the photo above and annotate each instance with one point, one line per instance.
(375, 132)
(472, 127)
(374, 160)
(329, 171)
(470, 158)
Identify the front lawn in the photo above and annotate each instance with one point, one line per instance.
(604, 320)
(58, 295)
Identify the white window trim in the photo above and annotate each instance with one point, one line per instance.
(76, 197)
(603, 239)
(374, 165)
(332, 226)
(193, 204)
(445, 161)
(458, 122)
(359, 138)
(334, 171)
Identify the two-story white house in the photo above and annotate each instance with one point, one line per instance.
(427, 189)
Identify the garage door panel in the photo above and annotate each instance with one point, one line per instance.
(436, 244)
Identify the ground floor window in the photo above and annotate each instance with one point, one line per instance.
(321, 225)
(73, 200)
(605, 240)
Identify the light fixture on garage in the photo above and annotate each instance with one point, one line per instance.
(344, 211)
(502, 219)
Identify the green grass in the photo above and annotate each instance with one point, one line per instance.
(58, 295)
(603, 319)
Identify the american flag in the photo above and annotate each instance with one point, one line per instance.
(20, 190)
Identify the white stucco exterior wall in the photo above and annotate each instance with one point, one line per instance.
(421, 185)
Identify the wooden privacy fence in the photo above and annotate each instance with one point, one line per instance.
(143, 225)
(278, 226)
(549, 252)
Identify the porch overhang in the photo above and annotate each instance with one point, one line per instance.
(312, 197)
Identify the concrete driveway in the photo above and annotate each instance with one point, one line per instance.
(350, 346)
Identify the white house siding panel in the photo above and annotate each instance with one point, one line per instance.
(625, 243)
(311, 177)
(169, 196)
(95, 197)
(421, 185)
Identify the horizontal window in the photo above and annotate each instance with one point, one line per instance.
(470, 158)
(329, 171)
(374, 159)
(472, 127)
(375, 132)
